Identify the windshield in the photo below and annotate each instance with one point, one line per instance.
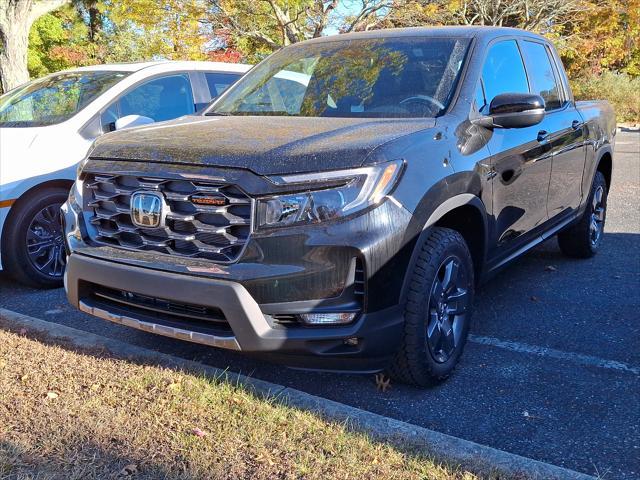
(394, 77)
(55, 98)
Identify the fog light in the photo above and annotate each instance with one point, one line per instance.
(327, 318)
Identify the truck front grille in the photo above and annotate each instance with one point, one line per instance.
(202, 219)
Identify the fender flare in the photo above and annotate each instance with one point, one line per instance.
(604, 150)
(460, 200)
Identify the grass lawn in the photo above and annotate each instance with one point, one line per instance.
(69, 414)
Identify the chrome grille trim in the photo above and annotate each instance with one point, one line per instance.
(212, 340)
(214, 232)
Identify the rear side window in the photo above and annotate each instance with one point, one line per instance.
(503, 72)
(542, 75)
(219, 82)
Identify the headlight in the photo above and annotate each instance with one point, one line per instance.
(354, 190)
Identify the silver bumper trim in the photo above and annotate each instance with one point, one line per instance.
(229, 343)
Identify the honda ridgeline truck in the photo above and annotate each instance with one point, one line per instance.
(344, 220)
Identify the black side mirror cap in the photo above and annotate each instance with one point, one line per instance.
(513, 110)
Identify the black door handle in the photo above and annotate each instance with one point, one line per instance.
(576, 124)
(543, 135)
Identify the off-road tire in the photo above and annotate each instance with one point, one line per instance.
(414, 362)
(576, 241)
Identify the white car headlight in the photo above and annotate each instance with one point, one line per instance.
(355, 190)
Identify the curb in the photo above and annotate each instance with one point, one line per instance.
(446, 448)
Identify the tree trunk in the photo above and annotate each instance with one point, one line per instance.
(94, 22)
(16, 18)
(13, 59)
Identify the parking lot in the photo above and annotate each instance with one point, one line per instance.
(552, 370)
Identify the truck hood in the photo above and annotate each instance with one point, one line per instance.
(265, 145)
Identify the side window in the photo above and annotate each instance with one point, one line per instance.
(219, 82)
(503, 72)
(543, 78)
(161, 99)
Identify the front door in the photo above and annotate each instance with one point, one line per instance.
(521, 157)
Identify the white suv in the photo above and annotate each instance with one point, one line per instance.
(47, 127)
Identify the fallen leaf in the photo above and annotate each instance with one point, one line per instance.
(198, 432)
(52, 395)
(263, 458)
(383, 382)
(173, 386)
(550, 268)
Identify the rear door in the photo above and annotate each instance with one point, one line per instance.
(562, 126)
(218, 82)
(521, 163)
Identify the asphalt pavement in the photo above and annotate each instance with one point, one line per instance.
(552, 369)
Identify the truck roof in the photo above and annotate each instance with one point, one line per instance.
(464, 31)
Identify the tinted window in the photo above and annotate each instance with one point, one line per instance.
(161, 99)
(292, 92)
(55, 98)
(542, 74)
(219, 82)
(503, 72)
(394, 77)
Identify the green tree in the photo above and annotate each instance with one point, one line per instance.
(170, 29)
(57, 41)
(604, 36)
(16, 18)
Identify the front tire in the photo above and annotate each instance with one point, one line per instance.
(32, 244)
(437, 310)
(583, 239)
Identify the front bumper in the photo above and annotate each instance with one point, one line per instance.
(286, 271)
(327, 348)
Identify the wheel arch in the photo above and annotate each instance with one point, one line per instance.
(605, 165)
(464, 213)
(24, 197)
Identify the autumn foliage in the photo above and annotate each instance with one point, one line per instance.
(594, 37)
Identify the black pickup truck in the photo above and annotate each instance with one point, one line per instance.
(337, 207)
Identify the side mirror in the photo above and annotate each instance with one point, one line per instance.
(130, 121)
(514, 110)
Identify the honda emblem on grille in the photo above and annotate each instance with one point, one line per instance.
(146, 209)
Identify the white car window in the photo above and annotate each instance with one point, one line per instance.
(55, 98)
(163, 98)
